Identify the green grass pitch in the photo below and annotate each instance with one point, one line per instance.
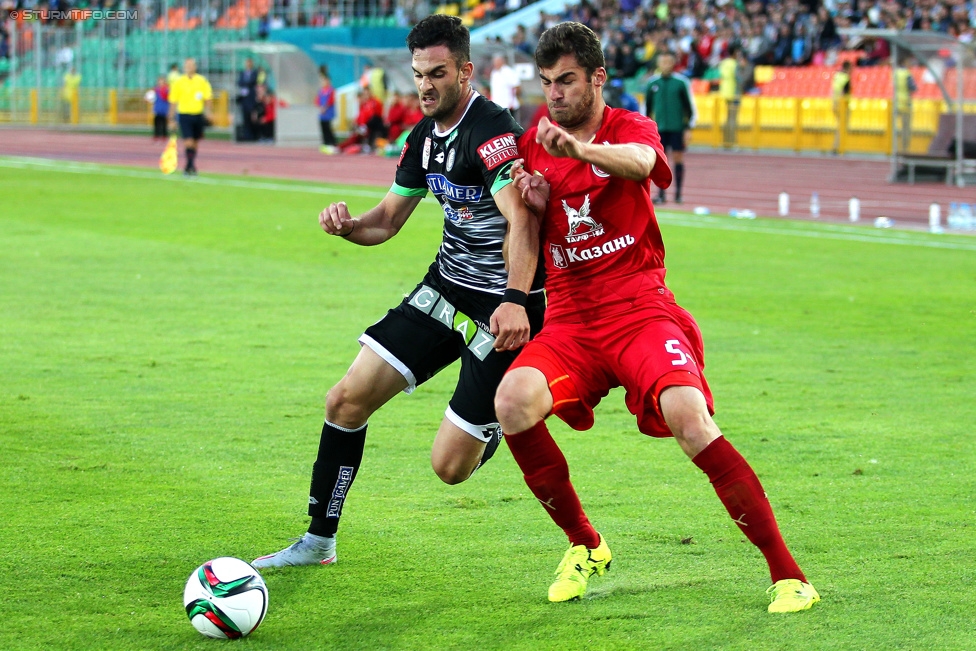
(165, 348)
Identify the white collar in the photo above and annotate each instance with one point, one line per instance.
(437, 134)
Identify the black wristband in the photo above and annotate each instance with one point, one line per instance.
(516, 296)
(354, 222)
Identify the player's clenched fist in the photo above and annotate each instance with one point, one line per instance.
(335, 220)
(557, 140)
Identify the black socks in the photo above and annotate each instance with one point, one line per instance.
(335, 468)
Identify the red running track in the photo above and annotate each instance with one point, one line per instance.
(719, 181)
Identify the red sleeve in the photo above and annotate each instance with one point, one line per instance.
(366, 112)
(526, 142)
(638, 129)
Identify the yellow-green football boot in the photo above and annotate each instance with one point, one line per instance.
(791, 596)
(577, 566)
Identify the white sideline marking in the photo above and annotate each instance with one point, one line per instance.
(825, 231)
(23, 162)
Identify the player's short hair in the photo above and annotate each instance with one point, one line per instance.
(439, 29)
(570, 38)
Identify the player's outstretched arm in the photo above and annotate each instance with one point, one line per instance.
(632, 161)
(509, 322)
(374, 226)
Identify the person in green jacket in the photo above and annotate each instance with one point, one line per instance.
(671, 104)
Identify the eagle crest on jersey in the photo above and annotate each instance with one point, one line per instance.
(580, 218)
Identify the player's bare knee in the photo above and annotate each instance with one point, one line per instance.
(451, 477)
(449, 471)
(342, 408)
(508, 401)
(512, 407)
(694, 431)
(686, 413)
(521, 400)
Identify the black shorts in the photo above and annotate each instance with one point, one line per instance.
(416, 340)
(191, 126)
(673, 140)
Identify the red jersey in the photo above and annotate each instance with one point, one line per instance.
(600, 240)
(396, 115)
(368, 110)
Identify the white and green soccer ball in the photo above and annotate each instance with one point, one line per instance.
(225, 598)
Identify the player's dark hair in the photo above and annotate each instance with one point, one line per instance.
(442, 30)
(570, 38)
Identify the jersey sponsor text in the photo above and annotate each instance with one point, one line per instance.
(439, 185)
(498, 150)
(575, 254)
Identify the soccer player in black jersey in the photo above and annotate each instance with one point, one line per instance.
(480, 301)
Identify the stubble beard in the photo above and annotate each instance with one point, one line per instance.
(575, 117)
(448, 103)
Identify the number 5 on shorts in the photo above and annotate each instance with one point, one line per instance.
(671, 345)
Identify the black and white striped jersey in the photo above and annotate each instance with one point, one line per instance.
(464, 167)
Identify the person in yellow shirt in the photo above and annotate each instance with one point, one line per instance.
(841, 92)
(728, 90)
(191, 97)
(69, 93)
(904, 87)
(374, 78)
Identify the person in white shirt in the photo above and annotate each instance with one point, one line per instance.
(504, 85)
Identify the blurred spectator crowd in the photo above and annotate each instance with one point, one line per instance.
(769, 32)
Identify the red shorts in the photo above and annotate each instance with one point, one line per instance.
(645, 351)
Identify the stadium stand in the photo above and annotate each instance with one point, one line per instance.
(795, 49)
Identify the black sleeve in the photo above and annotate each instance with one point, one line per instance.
(411, 178)
(495, 141)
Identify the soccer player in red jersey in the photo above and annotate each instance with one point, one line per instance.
(611, 320)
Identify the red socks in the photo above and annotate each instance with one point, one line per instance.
(547, 475)
(743, 496)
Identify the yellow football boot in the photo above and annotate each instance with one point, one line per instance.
(791, 596)
(577, 566)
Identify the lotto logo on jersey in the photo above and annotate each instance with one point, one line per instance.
(498, 150)
(439, 185)
(403, 152)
